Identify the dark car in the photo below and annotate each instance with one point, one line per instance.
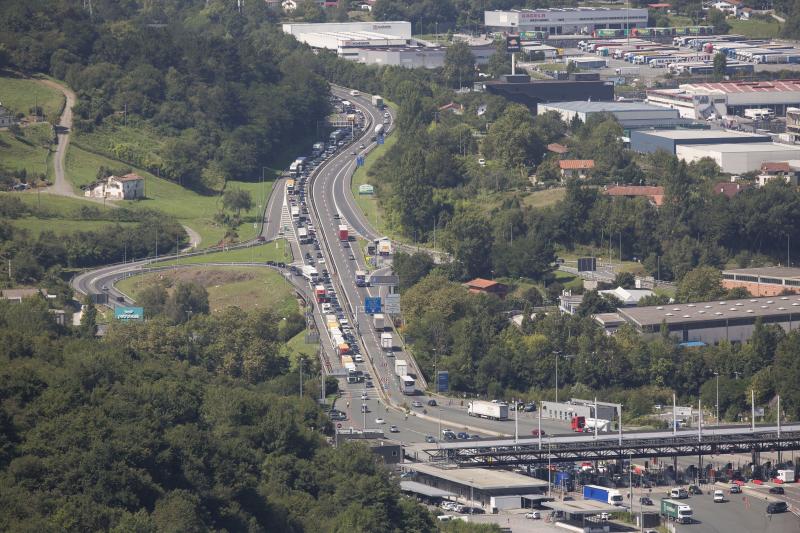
(776, 490)
(429, 438)
(432, 402)
(531, 407)
(777, 507)
(462, 435)
(644, 500)
(537, 432)
(694, 489)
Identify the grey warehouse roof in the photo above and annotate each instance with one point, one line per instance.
(610, 107)
(427, 490)
(776, 306)
(480, 478)
(770, 272)
(583, 507)
(699, 134)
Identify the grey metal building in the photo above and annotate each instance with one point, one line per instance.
(412, 56)
(647, 141)
(565, 20)
(523, 90)
(630, 115)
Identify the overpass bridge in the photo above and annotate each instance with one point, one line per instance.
(608, 447)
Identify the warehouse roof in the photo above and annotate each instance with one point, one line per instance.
(745, 147)
(700, 134)
(426, 490)
(582, 507)
(480, 478)
(746, 86)
(770, 272)
(720, 310)
(609, 107)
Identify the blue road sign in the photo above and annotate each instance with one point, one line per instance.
(128, 313)
(380, 139)
(360, 161)
(442, 381)
(372, 305)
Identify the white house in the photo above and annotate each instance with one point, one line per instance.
(127, 187)
(628, 297)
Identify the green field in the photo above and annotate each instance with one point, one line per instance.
(272, 251)
(30, 152)
(137, 142)
(569, 281)
(19, 95)
(48, 205)
(245, 287)
(297, 347)
(190, 208)
(36, 225)
(754, 28)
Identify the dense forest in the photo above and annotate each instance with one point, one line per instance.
(229, 90)
(188, 427)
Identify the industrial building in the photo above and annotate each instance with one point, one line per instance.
(522, 90)
(738, 158)
(576, 407)
(763, 281)
(647, 141)
(704, 100)
(564, 21)
(713, 322)
(346, 37)
(412, 56)
(488, 489)
(630, 115)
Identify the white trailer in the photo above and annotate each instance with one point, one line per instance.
(490, 410)
(387, 342)
(602, 425)
(310, 273)
(377, 322)
(377, 101)
(400, 368)
(786, 476)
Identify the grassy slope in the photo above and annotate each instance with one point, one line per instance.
(277, 251)
(545, 198)
(296, 346)
(245, 287)
(31, 154)
(37, 225)
(20, 95)
(755, 28)
(190, 208)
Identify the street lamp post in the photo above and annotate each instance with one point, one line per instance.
(301, 377)
(717, 406)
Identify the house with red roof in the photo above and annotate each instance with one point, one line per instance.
(575, 168)
(654, 194)
(486, 286)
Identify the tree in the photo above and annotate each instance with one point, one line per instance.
(717, 19)
(594, 302)
(469, 238)
(152, 298)
(626, 280)
(720, 65)
(186, 300)
(700, 285)
(513, 140)
(88, 319)
(410, 268)
(459, 65)
(236, 200)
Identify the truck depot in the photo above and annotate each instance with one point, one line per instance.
(565, 21)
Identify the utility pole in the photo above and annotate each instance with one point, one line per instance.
(717, 406)
(301, 377)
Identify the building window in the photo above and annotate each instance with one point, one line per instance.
(774, 281)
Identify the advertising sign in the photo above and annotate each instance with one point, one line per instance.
(442, 381)
(513, 43)
(129, 313)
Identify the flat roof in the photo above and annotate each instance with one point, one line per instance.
(565, 10)
(718, 310)
(583, 507)
(769, 272)
(747, 87)
(611, 107)
(427, 490)
(746, 147)
(701, 134)
(480, 478)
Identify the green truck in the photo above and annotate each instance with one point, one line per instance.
(677, 511)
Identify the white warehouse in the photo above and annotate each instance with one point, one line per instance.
(739, 158)
(347, 37)
(566, 20)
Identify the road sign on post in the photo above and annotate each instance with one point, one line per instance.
(391, 304)
(384, 280)
(372, 305)
(442, 381)
(379, 140)
(587, 264)
(513, 44)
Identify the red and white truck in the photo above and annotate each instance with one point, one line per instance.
(343, 234)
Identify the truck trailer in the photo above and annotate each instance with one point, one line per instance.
(379, 129)
(343, 234)
(581, 424)
(490, 410)
(377, 322)
(677, 511)
(400, 368)
(377, 101)
(602, 494)
(387, 342)
(310, 273)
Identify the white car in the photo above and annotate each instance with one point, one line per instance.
(482, 162)
(380, 421)
(394, 429)
(533, 515)
(364, 396)
(604, 516)
(719, 496)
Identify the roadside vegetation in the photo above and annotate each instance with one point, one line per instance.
(28, 98)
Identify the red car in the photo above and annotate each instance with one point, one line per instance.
(537, 433)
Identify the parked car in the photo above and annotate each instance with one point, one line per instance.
(533, 515)
(432, 402)
(735, 489)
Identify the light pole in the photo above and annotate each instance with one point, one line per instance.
(717, 406)
(471, 497)
(549, 481)
(301, 377)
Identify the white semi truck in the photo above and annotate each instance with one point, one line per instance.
(490, 410)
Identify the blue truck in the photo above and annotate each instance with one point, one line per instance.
(602, 494)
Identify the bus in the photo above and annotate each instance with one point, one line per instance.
(361, 278)
(290, 186)
(407, 385)
(302, 236)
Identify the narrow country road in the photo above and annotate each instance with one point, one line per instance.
(194, 238)
(62, 186)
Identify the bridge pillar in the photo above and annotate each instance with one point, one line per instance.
(675, 466)
(756, 457)
(699, 466)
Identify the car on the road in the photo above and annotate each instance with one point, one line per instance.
(394, 429)
(776, 490)
(429, 439)
(474, 437)
(462, 435)
(380, 420)
(719, 496)
(694, 489)
(777, 507)
(351, 257)
(432, 402)
(416, 403)
(364, 396)
(361, 146)
(533, 515)
(735, 489)
(538, 432)
(645, 500)
(604, 516)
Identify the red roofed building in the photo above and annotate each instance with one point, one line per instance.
(729, 188)
(576, 168)
(486, 286)
(127, 187)
(654, 194)
(787, 170)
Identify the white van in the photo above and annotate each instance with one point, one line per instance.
(679, 494)
(719, 496)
